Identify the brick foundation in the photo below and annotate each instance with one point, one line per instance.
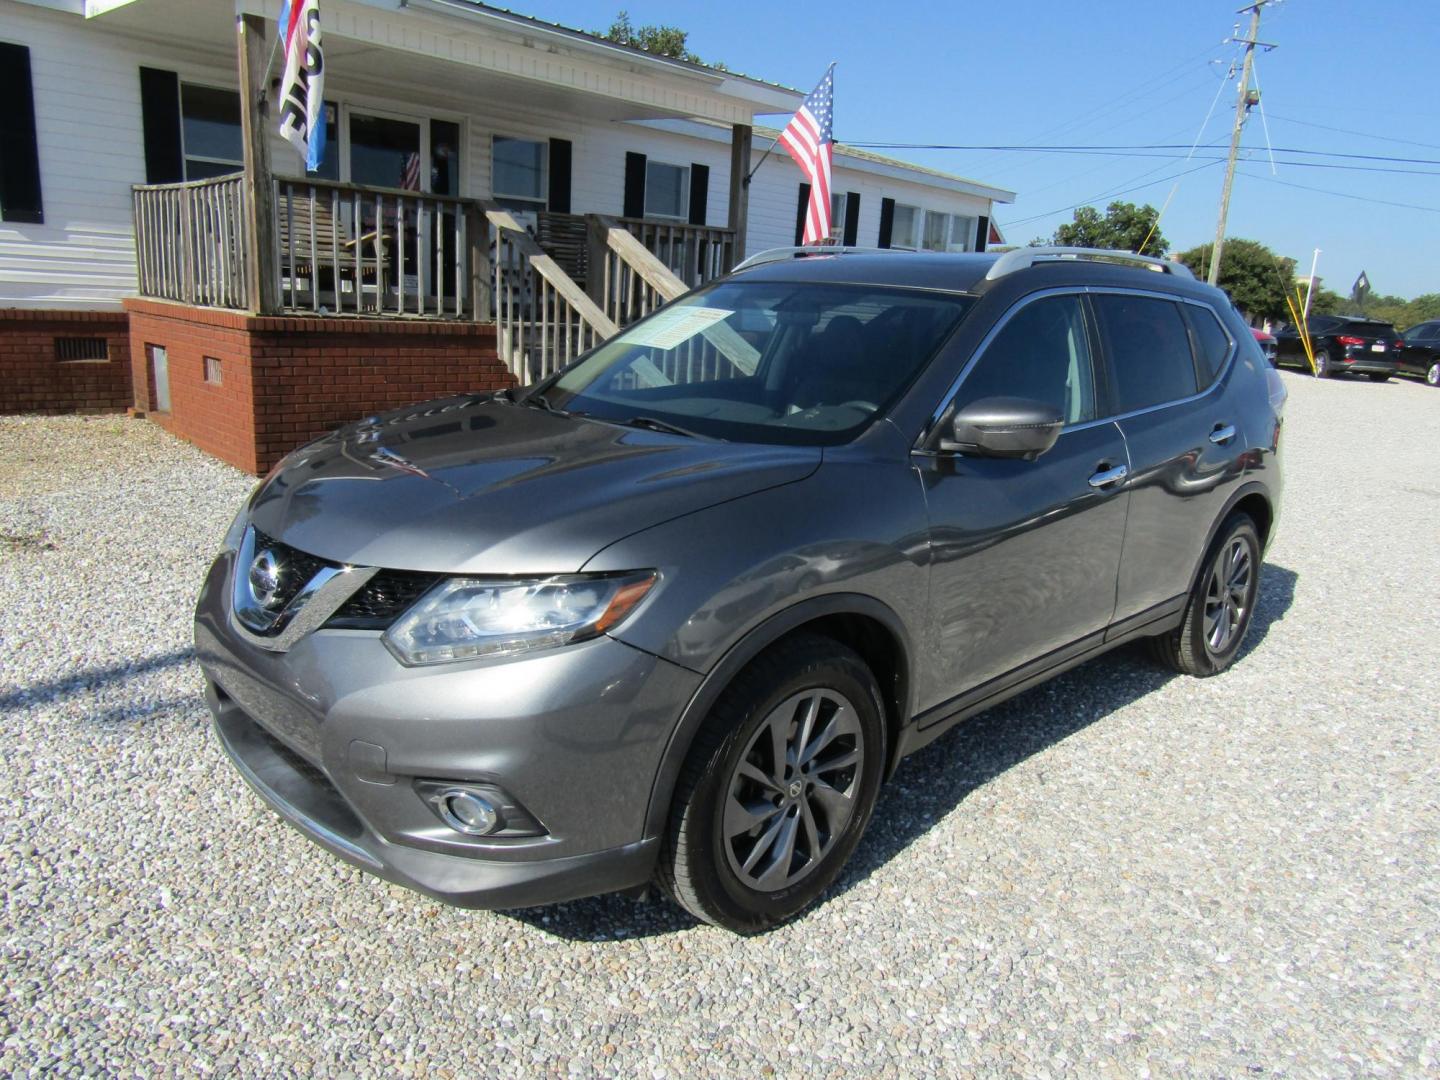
(286, 380)
(33, 377)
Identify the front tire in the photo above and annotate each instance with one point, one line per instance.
(778, 787)
(1221, 605)
(1432, 374)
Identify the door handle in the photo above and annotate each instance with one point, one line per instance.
(1106, 477)
(1222, 434)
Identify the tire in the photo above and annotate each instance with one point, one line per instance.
(1324, 369)
(732, 779)
(1379, 376)
(1201, 645)
(1432, 374)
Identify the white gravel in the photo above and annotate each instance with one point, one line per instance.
(1121, 873)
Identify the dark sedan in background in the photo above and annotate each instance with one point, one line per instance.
(1342, 343)
(1421, 355)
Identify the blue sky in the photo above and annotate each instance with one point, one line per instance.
(1058, 72)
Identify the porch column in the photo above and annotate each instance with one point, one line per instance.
(254, 60)
(740, 136)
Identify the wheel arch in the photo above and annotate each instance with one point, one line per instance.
(1253, 499)
(861, 622)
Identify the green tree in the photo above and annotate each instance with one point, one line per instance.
(1256, 279)
(661, 40)
(1125, 227)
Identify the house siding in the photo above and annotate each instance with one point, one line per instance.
(90, 141)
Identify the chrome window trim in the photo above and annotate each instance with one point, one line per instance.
(1081, 290)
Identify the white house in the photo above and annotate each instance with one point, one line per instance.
(436, 107)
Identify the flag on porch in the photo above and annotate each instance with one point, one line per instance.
(302, 87)
(808, 138)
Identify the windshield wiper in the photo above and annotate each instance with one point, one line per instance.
(650, 423)
(539, 401)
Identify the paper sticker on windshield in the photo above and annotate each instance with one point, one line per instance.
(670, 328)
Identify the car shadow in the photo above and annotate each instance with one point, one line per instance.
(933, 782)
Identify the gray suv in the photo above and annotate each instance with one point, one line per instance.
(675, 614)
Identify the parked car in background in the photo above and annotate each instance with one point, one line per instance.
(1266, 343)
(1421, 354)
(675, 613)
(1342, 343)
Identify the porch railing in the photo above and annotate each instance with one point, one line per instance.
(543, 319)
(348, 249)
(695, 254)
(190, 241)
(628, 280)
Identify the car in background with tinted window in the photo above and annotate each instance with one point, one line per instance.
(1421, 355)
(1342, 343)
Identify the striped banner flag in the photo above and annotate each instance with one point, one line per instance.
(808, 138)
(302, 88)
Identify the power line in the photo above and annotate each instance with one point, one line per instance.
(1362, 134)
(1111, 194)
(1343, 194)
(1097, 147)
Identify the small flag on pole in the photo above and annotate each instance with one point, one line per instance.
(302, 88)
(1361, 289)
(808, 138)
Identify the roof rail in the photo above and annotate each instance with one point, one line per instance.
(1021, 258)
(779, 254)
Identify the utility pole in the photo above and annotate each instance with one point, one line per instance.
(1242, 108)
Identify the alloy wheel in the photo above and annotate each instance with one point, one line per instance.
(794, 790)
(1432, 376)
(1227, 599)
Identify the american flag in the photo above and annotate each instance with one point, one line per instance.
(808, 138)
(410, 173)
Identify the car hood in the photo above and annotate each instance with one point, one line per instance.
(473, 485)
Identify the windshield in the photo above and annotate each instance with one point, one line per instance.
(769, 362)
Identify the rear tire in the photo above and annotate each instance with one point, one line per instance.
(1221, 604)
(1323, 366)
(1379, 376)
(752, 839)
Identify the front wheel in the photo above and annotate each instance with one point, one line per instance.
(1221, 605)
(1432, 374)
(778, 787)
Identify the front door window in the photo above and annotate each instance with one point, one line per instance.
(385, 152)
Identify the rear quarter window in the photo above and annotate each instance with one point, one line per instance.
(1148, 346)
(1212, 343)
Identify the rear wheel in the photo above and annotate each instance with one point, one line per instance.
(1432, 374)
(778, 787)
(1221, 604)
(1323, 365)
(1379, 376)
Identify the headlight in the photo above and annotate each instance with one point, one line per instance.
(465, 618)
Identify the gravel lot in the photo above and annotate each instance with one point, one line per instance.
(1121, 873)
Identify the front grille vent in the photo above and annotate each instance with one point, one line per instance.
(374, 606)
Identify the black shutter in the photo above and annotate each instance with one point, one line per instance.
(160, 115)
(982, 233)
(801, 207)
(19, 152)
(634, 185)
(699, 192)
(560, 153)
(887, 221)
(852, 219)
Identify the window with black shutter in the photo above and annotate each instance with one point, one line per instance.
(20, 199)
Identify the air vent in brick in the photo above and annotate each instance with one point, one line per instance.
(82, 348)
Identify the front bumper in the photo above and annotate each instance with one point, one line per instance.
(334, 733)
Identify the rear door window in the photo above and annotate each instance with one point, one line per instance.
(1148, 347)
(1212, 344)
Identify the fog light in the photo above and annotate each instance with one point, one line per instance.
(467, 812)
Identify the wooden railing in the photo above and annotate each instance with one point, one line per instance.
(190, 241)
(627, 280)
(696, 254)
(543, 319)
(348, 249)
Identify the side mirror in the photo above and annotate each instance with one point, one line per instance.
(1004, 427)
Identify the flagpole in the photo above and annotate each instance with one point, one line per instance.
(776, 143)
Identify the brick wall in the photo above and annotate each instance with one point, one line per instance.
(286, 380)
(34, 380)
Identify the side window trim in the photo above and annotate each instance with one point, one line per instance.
(1187, 310)
(947, 399)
